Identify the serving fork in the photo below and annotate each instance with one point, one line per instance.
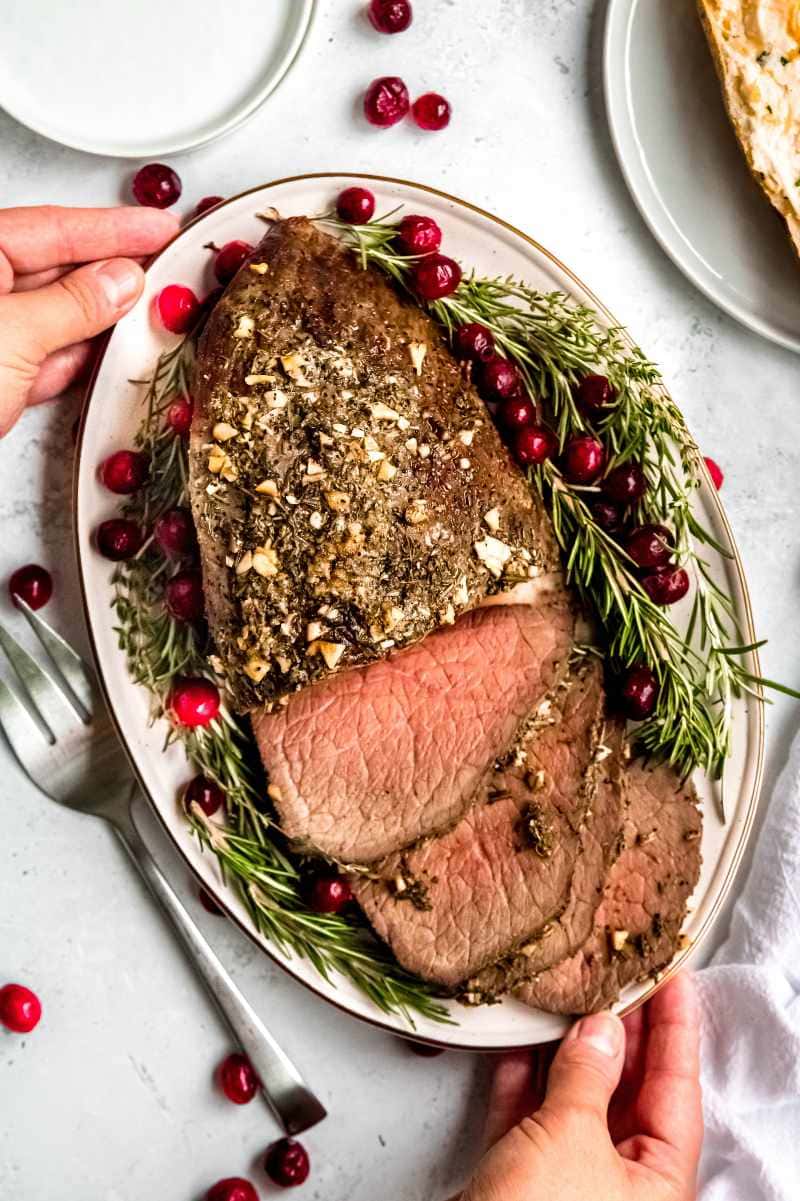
(60, 731)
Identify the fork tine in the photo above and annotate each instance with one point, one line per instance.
(16, 721)
(75, 676)
(36, 684)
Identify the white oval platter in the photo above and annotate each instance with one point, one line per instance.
(110, 420)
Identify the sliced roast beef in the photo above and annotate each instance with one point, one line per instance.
(349, 489)
(637, 927)
(370, 761)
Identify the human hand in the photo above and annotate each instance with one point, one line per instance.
(573, 1139)
(48, 310)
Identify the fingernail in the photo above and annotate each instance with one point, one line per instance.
(120, 281)
(602, 1031)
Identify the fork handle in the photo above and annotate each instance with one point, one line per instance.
(295, 1107)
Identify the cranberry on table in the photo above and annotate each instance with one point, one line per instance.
(639, 693)
(209, 904)
(418, 235)
(330, 894)
(516, 412)
(625, 484)
(431, 111)
(594, 393)
(177, 307)
(238, 1079)
(157, 186)
(229, 259)
(20, 1009)
(474, 341)
(233, 1188)
(355, 206)
(435, 276)
(390, 16)
(118, 539)
(184, 597)
(208, 202)
(204, 792)
(608, 516)
(124, 472)
(650, 545)
(179, 415)
(584, 459)
(32, 584)
(667, 585)
(499, 378)
(533, 444)
(287, 1163)
(715, 471)
(174, 533)
(386, 101)
(193, 701)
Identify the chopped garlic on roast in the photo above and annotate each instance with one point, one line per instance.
(417, 511)
(386, 471)
(417, 351)
(223, 432)
(338, 502)
(257, 379)
(259, 268)
(382, 412)
(466, 436)
(619, 938)
(293, 364)
(331, 651)
(256, 668)
(493, 554)
(267, 488)
(265, 561)
(245, 327)
(245, 563)
(492, 519)
(316, 520)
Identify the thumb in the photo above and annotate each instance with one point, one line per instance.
(587, 1066)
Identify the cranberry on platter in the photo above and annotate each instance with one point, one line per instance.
(177, 308)
(516, 412)
(193, 701)
(390, 16)
(238, 1079)
(287, 1163)
(124, 472)
(608, 516)
(594, 393)
(209, 904)
(386, 101)
(431, 112)
(499, 379)
(650, 545)
(625, 484)
(157, 186)
(32, 584)
(229, 259)
(418, 235)
(667, 585)
(330, 894)
(205, 793)
(356, 206)
(179, 415)
(20, 1009)
(435, 276)
(584, 459)
(639, 693)
(233, 1188)
(184, 597)
(533, 444)
(208, 202)
(715, 471)
(118, 539)
(174, 533)
(474, 341)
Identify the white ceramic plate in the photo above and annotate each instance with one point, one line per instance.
(686, 172)
(143, 78)
(113, 414)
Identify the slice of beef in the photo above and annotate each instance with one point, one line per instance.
(349, 489)
(372, 760)
(514, 864)
(637, 927)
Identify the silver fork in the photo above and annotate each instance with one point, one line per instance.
(66, 744)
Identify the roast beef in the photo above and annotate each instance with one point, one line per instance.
(637, 927)
(349, 489)
(372, 760)
(515, 864)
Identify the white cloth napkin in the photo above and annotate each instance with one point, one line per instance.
(751, 1022)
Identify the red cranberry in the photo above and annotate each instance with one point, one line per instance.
(193, 701)
(178, 308)
(355, 206)
(118, 539)
(33, 584)
(499, 378)
(431, 111)
(666, 586)
(184, 597)
(330, 894)
(390, 16)
(287, 1163)
(533, 444)
(20, 1009)
(229, 259)
(233, 1188)
(205, 792)
(157, 186)
(179, 415)
(418, 235)
(608, 516)
(625, 484)
(124, 472)
(435, 276)
(474, 341)
(238, 1079)
(174, 533)
(386, 101)
(209, 904)
(715, 471)
(594, 393)
(584, 459)
(639, 693)
(516, 412)
(208, 202)
(424, 1050)
(650, 545)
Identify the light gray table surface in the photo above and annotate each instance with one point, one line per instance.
(111, 1099)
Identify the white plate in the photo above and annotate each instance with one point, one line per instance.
(145, 77)
(111, 418)
(683, 165)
